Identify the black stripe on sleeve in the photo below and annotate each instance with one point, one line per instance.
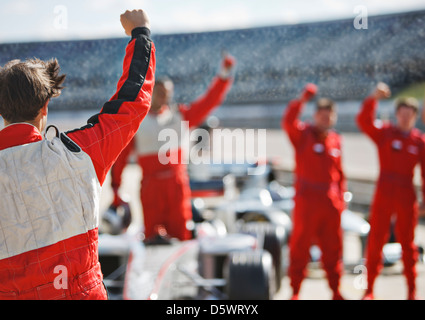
(110, 107)
(138, 67)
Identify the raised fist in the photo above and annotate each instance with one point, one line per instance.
(228, 61)
(382, 91)
(134, 19)
(227, 65)
(309, 92)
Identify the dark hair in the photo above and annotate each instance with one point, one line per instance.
(26, 86)
(325, 103)
(163, 79)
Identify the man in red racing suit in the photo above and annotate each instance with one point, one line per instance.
(400, 149)
(50, 189)
(165, 191)
(319, 185)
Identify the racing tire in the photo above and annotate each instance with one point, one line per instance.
(249, 276)
(116, 220)
(272, 239)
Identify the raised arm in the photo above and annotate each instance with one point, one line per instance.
(367, 115)
(290, 120)
(199, 109)
(109, 132)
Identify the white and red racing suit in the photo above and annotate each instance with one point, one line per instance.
(50, 189)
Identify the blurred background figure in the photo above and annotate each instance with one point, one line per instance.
(165, 191)
(400, 148)
(320, 185)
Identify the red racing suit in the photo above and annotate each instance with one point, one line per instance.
(319, 185)
(395, 195)
(42, 228)
(165, 191)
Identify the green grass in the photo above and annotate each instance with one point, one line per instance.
(416, 90)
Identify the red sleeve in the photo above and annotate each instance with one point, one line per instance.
(198, 110)
(119, 165)
(109, 132)
(366, 119)
(422, 166)
(290, 122)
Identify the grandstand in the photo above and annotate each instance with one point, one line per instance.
(274, 62)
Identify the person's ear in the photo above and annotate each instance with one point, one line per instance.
(44, 109)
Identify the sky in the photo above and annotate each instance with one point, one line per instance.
(45, 20)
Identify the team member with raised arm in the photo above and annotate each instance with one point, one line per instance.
(320, 185)
(400, 148)
(165, 192)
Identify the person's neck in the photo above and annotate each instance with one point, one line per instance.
(405, 130)
(38, 123)
(321, 132)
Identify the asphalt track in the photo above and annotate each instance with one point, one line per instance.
(360, 162)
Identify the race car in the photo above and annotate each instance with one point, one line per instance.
(241, 228)
(210, 266)
(217, 263)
